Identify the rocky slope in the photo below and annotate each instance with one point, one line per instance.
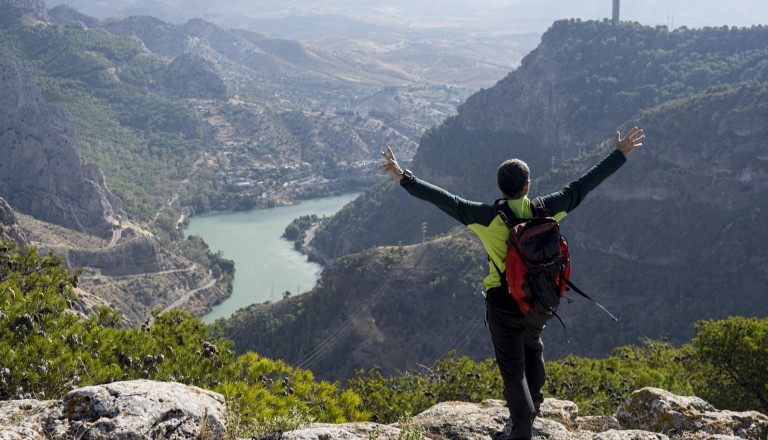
(42, 173)
(159, 410)
(9, 229)
(134, 275)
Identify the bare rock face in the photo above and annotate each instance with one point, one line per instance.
(122, 410)
(134, 257)
(41, 173)
(657, 410)
(9, 230)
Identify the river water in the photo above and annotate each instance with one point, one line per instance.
(265, 264)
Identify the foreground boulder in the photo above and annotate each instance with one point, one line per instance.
(122, 410)
(158, 410)
(653, 409)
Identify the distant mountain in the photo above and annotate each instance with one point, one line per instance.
(674, 237)
(147, 96)
(56, 117)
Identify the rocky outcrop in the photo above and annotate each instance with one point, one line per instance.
(656, 410)
(121, 410)
(649, 414)
(42, 173)
(138, 256)
(155, 410)
(9, 230)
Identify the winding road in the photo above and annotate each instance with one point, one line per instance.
(184, 298)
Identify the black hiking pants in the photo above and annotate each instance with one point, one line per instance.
(520, 356)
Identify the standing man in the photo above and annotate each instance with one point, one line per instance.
(517, 342)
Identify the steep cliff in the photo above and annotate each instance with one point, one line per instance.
(42, 173)
(9, 229)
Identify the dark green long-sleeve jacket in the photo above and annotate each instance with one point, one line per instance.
(484, 220)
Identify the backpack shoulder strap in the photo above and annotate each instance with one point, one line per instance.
(539, 209)
(505, 212)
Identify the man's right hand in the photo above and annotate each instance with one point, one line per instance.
(391, 166)
(630, 143)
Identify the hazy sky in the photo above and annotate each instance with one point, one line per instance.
(492, 15)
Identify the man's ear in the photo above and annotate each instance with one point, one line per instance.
(526, 187)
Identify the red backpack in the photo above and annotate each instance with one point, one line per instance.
(537, 264)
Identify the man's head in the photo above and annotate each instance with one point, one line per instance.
(513, 178)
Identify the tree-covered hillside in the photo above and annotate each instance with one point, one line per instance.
(384, 307)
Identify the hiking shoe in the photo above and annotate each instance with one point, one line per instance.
(506, 432)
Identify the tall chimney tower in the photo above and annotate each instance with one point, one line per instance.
(615, 12)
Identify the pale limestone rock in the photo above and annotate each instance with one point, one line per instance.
(347, 431)
(158, 410)
(351, 431)
(561, 411)
(463, 420)
(632, 434)
(657, 410)
(598, 423)
(9, 229)
(24, 419)
(138, 409)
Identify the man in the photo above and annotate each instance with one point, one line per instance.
(516, 340)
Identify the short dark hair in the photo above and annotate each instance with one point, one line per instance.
(512, 176)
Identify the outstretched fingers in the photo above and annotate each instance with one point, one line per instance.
(631, 142)
(391, 166)
(636, 135)
(389, 156)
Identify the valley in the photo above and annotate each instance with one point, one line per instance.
(165, 120)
